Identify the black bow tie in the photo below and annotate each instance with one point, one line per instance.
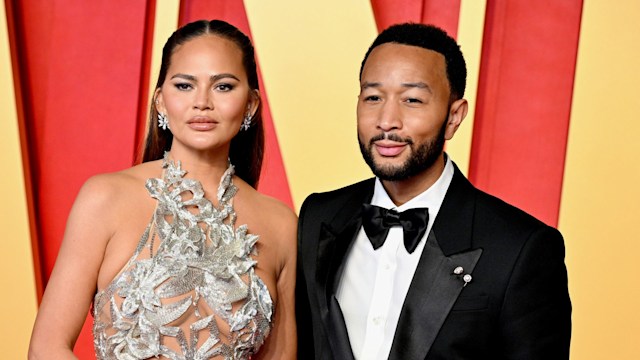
(376, 222)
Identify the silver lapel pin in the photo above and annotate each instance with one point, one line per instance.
(467, 279)
(459, 270)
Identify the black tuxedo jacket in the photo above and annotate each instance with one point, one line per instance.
(515, 307)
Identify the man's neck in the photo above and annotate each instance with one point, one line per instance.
(404, 190)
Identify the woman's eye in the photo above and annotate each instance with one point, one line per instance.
(183, 86)
(224, 87)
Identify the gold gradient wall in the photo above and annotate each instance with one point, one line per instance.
(312, 95)
(19, 302)
(601, 193)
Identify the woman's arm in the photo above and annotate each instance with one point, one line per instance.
(70, 289)
(282, 341)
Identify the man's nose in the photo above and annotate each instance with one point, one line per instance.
(390, 116)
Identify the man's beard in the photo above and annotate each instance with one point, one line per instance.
(421, 158)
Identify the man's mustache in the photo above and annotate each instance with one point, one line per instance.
(392, 137)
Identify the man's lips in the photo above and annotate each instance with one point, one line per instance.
(389, 148)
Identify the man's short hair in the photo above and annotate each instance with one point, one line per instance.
(429, 37)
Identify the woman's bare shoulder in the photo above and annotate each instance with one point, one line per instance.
(276, 208)
(279, 225)
(275, 223)
(272, 210)
(107, 190)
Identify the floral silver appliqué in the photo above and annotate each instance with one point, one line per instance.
(169, 301)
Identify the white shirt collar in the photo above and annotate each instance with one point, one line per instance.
(375, 299)
(430, 198)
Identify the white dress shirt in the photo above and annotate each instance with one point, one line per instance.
(374, 283)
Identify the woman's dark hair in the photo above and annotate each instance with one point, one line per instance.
(247, 147)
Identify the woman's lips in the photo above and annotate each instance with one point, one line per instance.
(202, 124)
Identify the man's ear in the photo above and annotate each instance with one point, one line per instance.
(457, 113)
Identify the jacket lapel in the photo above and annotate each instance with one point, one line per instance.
(435, 288)
(433, 292)
(336, 237)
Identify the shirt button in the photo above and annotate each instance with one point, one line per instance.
(387, 266)
(377, 320)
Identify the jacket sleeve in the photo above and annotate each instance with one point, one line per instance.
(535, 319)
(303, 308)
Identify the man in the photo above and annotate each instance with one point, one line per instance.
(417, 263)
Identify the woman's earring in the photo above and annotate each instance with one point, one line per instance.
(163, 122)
(246, 123)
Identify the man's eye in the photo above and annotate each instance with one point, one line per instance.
(372, 98)
(413, 101)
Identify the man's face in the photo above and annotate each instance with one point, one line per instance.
(403, 109)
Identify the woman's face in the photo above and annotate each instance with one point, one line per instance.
(206, 94)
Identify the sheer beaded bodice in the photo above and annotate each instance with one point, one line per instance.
(190, 281)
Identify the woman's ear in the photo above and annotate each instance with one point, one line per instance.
(159, 102)
(254, 102)
(457, 113)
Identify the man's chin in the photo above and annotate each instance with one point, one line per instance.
(386, 171)
(396, 161)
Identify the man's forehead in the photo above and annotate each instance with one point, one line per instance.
(408, 62)
(402, 84)
(393, 55)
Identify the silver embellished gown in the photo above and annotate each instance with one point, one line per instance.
(190, 280)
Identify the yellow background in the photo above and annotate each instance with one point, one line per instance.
(310, 54)
(17, 281)
(600, 206)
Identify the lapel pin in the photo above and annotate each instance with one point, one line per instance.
(459, 270)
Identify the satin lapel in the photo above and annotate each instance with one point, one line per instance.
(434, 289)
(333, 246)
(454, 224)
(332, 250)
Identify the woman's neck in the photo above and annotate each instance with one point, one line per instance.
(206, 167)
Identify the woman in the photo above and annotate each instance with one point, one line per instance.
(213, 275)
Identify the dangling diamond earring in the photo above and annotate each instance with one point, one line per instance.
(246, 123)
(163, 122)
